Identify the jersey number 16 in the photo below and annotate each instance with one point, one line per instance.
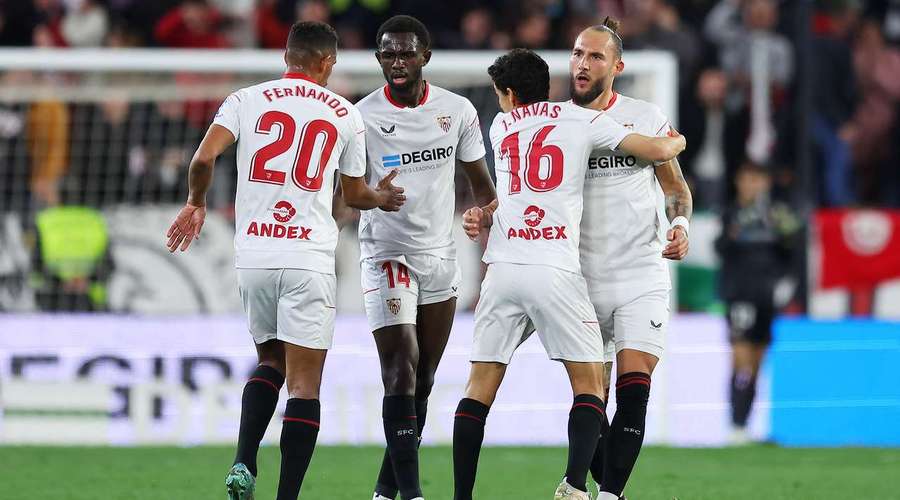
(302, 156)
(537, 151)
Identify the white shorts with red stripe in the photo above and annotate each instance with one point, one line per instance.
(517, 300)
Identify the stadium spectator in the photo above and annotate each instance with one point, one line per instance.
(759, 64)
(708, 160)
(47, 132)
(532, 31)
(273, 19)
(193, 24)
(875, 143)
(833, 102)
(48, 32)
(655, 24)
(85, 24)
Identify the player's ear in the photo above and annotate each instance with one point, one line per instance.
(378, 55)
(427, 56)
(620, 66)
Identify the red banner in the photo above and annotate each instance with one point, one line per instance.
(859, 248)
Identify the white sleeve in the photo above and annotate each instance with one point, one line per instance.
(605, 133)
(228, 115)
(353, 157)
(471, 143)
(660, 124)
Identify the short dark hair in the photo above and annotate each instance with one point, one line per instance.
(404, 24)
(312, 36)
(523, 71)
(611, 26)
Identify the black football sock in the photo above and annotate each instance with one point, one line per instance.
(626, 432)
(387, 482)
(743, 391)
(584, 435)
(468, 433)
(401, 433)
(257, 407)
(298, 440)
(600, 452)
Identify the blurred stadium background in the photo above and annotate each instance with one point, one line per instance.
(106, 339)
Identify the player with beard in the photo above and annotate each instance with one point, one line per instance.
(624, 234)
(410, 276)
(533, 281)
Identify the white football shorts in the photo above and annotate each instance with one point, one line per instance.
(393, 288)
(631, 318)
(296, 306)
(518, 299)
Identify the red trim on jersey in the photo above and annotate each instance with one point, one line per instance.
(257, 379)
(612, 100)
(300, 76)
(302, 421)
(387, 94)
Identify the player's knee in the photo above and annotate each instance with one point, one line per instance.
(301, 389)
(399, 379)
(275, 364)
(424, 383)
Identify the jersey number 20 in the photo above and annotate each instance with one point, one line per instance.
(302, 156)
(537, 151)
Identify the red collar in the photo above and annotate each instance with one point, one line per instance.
(300, 76)
(612, 100)
(387, 94)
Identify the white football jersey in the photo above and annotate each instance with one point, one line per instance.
(624, 223)
(541, 153)
(423, 143)
(292, 135)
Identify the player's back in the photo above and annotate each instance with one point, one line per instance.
(622, 227)
(540, 156)
(292, 136)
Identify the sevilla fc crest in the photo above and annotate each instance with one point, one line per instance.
(393, 306)
(444, 123)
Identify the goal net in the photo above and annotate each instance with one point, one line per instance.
(113, 131)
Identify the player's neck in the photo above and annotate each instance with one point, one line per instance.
(604, 100)
(293, 69)
(411, 97)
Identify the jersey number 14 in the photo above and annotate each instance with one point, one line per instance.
(302, 156)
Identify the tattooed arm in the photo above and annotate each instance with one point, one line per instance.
(679, 207)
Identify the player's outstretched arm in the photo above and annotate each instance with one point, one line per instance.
(386, 196)
(679, 207)
(653, 148)
(187, 224)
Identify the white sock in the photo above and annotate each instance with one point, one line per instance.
(605, 495)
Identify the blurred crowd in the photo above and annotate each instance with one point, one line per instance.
(745, 90)
(805, 91)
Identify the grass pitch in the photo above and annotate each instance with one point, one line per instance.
(348, 473)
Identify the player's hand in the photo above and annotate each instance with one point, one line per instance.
(392, 197)
(186, 227)
(678, 244)
(681, 141)
(473, 222)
